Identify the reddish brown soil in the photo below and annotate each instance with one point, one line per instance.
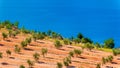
(88, 59)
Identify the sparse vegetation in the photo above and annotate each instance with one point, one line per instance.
(59, 65)
(98, 66)
(58, 44)
(30, 63)
(22, 66)
(8, 52)
(36, 56)
(77, 52)
(17, 49)
(23, 44)
(4, 36)
(1, 55)
(44, 51)
(89, 46)
(10, 30)
(67, 61)
(71, 54)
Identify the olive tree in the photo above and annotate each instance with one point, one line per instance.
(44, 51)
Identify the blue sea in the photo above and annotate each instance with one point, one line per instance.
(96, 19)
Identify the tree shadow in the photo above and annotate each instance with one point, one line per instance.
(32, 45)
(12, 57)
(113, 62)
(82, 57)
(61, 49)
(1, 45)
(70, 67)
(4, 63)
(40, 62)
(8, 40)
(108, 67)
(40, 42)
(28, 49)
(118, 58)
(49, 57)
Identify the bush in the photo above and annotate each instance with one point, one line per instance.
(59, 65)
(1, 55)
(77, 40)
(89, 46)
(4, 36)
(36, 56)
(17, 49)
(116, 52)
(103, 60)
(71, 54)
(30, 63)
(44, 51)
(21, 66)
(24, 44)
(67, 61)
(77, 52)
(66, 41)
(8, 52)
(57, 44)
(98, 66)
(28, 41)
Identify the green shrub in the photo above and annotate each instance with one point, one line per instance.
(1, 55)
(30, 63)
(59, 65)
(24, 44)
(67, 61)
(116, 52)
(36, 56)
(98, 66)
(8, 52)
(4, 36)
(44, 51)
(58, 44)
(89, 46)
(17, 49)
(66, 41)
(71, 54)
(77, 52)
(21, 66)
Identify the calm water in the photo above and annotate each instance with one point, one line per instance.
(97, 19)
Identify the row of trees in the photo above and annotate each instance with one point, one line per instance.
(36, 35)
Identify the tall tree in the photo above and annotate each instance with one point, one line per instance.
(109, 43)
(80, 36)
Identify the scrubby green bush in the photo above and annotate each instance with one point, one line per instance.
(58, 44)
(89, 46)
(77, 52)
(23, 44)
(116, 52)
(36, 56)
(8, 52)
(28, 40)
(66, 41)
(22, 66)
(30, 63)
(71, 53)
(59, 65)
(67, 61)
(4, 35)
(44, 51)
(17, 49)
(1, 55)
(98, 66)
